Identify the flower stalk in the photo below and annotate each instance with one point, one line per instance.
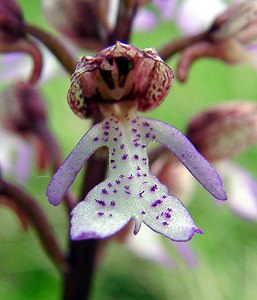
(38, 219)
(59, 49)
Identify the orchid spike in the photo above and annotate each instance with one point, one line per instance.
(130, 191)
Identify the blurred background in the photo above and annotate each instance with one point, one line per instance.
(226, 256)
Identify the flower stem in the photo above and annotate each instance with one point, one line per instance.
(38, 219)
(29, 48)
(55, 46)
(178, 45)
(126, 14)
(82, 254)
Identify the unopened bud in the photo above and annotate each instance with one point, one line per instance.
(234, 33)
(239, 21)
(225, 130)
(22, 108)
(11, 21)
(84, 22)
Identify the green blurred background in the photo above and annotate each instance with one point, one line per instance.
(227, 256)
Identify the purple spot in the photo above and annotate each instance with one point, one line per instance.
(114, 167)
(100, 202)
(117, 181)
(113, 203)
(104, 191)
(165, 223)
(143, 146)
(114, 191)
(128, 192)
(169, 209)
(138, 174)
(126, 187)
(134, 130)
(112, 161)
(144, 159)
(138, 168)
(136, 156)
(106, 140)
(96, 139)
(133, 121)
(106, 125)
(121, 176)
(120, 134)
(109, 184)
(140, 194)
(130, 177)
(136, 144)
(147, 135)
(164, 197)
(138, 135)
(156, 203)
(142, 212)
(153, 136)
(154, 188)
(145, 124)
(145, 175)
(116, 128)
(106, 133)
(115, 139)
(122, 146)
(124, 156)
(110, 215)
(100, 213)
(167, 215)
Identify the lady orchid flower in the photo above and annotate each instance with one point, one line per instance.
(117, 82)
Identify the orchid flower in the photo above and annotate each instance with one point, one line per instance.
(117, 82)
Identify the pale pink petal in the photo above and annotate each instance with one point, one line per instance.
(241, 188)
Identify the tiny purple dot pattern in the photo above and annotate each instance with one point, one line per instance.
(130, 190)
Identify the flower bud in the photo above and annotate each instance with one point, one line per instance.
(239, 21)
(234, 33)
(84, 22)
(22, 108)
(116, 74)
(11, 21)
(225, 130)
